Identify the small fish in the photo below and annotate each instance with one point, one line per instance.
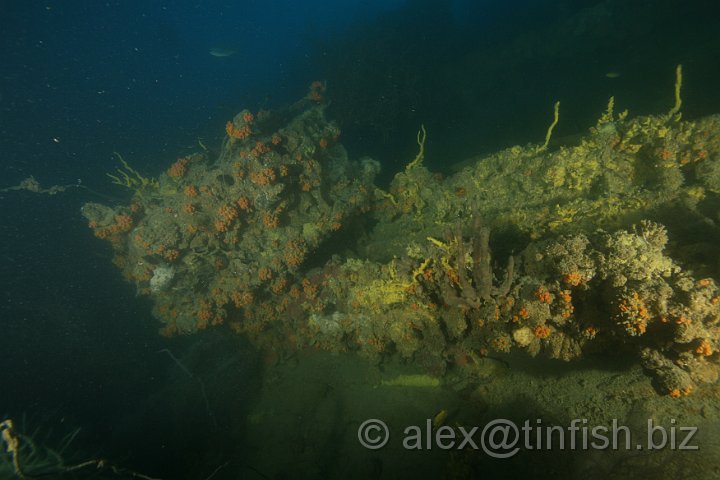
(612, 75)
(439, 418)
(412, 381)
(222, 52)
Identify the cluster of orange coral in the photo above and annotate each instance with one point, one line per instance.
(243, 203)
(179, 168)
(705, 348)
(590, 332)
(522, 313)
(309, 288)
(573, 279)
(294, 253)
(295, 292)
(568, 308)
(259, 149)
(228, 212)
(279, 286)
(190, 191)
(265, 274)
(270, 219)
(241, 299)
(543, 295)
(240, 133)
(264, 177)
(501, 343)
(541, 331)
(677, 392)
(665, 154)
(221, 226)
(204, 315)
(123, 223)
(705, 282)
(189, 208)
(634, 314)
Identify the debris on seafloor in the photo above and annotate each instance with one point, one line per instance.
(558, 253)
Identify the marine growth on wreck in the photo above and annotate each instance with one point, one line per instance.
(558, 252)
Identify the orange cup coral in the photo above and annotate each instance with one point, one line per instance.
(179, 168)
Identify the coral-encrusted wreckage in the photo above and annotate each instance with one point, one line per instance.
(607, 246)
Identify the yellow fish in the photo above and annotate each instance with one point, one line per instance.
(412, 381)
(222, 52)
(439, 418)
